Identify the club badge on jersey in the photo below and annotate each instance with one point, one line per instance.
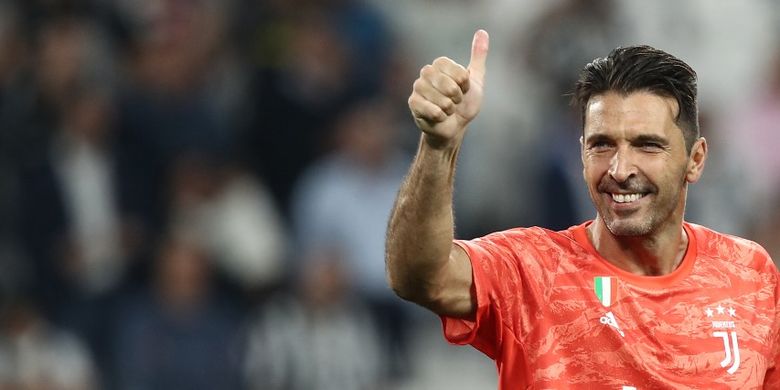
(724, 327)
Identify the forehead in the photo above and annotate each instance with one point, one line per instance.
(639, 112)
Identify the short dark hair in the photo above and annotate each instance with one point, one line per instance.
(643, 68)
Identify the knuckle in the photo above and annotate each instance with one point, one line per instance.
(416, 104)
(442, 61)
(457, 97)
(452, 90)
(448, 106)
(439, 115)
(427, 113)
(462, 76)
(426, 70)
(445, 85)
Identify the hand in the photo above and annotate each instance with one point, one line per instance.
(447, 96)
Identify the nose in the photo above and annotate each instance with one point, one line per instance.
(621, 166)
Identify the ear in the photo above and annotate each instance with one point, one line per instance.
(696, 161)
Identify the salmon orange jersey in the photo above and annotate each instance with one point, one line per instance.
(554, 314)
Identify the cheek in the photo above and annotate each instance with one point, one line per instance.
(593, 170)
(679, 176)
(665, 173)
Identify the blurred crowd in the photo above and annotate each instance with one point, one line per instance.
(194, 193)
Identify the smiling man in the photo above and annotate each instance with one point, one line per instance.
(637, 298)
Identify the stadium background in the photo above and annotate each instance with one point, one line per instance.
(193, 193)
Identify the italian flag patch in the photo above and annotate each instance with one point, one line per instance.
(606, 289)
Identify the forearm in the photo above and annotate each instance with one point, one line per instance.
(423, 266)
(421, 227)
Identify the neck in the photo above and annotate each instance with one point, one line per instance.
(658, 253)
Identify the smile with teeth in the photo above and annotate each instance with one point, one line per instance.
(626, 198)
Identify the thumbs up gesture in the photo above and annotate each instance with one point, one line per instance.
(447, 96)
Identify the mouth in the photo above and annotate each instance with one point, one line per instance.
(627, 198)
(626, 203)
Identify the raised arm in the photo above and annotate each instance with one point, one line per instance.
(423, 265)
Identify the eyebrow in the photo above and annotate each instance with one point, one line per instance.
(640, 139)
(650, 138)
(593, 138)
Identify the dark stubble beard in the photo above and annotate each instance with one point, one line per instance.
(657, 215)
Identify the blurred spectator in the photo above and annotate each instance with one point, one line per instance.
(14, 72)
(366, 34)
(34, 355)
(323, 56)
(755, 134)
(722, 184)
(184, 93)
(179, 333)
(296, 105)
(563, 39)
(362, 32)
(757, 137)
(64, 53)
(395, 90)
(234, 217)
(342, 205)
(82, 161)
(68, 214)
(567, 36)
(319, 337)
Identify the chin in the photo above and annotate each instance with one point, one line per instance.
(629, 228)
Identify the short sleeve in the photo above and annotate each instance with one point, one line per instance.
(505, 292)
(772, 377)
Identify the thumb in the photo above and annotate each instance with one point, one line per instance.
(479, 51)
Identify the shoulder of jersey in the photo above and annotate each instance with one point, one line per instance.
(741, 250)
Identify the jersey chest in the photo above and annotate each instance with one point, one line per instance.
(603, 327)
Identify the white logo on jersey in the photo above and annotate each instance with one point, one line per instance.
(609, 319)
(728, 347)
(722, 320)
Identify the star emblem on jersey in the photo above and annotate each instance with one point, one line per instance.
(732, 312)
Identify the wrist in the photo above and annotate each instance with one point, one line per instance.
(438, 152)
(439, 144)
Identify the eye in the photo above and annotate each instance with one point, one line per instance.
(600, 146)
(652, 146)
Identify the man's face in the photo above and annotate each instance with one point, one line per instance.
(634, 161)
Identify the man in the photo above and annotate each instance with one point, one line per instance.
(634, 299)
